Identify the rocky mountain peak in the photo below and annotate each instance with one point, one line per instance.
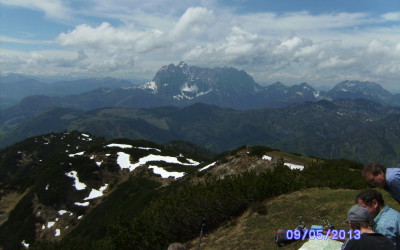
(277, 87)
(182, 64)
(306, 86)
(184, 82)
(278, 84)
(360, 89)
(294, 93)
(358, 86)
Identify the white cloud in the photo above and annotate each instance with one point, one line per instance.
(335, 63)
(238, 47)
(154, 14)
(300, 21)
(8, 39)
(194, 22)
(392, 16)
(383, 49)
(55, 9)
(293, 44)
(291, 47)
(105, 37)
(68, 63)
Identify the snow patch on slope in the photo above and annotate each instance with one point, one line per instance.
(78, 185)
(117, 145)
(96, 193)
(166, 174)
(208, 166)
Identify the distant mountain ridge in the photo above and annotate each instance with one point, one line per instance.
(189, 84)
(183, 85)
(280, 95)
(15, 87)
(356, 89)
(352, 129)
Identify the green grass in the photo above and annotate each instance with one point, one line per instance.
(255, 229)
(8, 203)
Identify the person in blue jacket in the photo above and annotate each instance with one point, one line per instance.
(387, 178)
(386, 219)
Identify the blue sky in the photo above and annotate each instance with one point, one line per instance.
(314, 41)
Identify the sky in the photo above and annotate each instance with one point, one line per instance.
(314, 41)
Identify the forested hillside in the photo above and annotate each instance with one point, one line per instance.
(140, 208)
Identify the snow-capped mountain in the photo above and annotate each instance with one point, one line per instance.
(358, 89)
(226, 86)
(184, 83)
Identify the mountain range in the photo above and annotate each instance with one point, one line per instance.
(182, 85)
(237, 111)
(15, 87)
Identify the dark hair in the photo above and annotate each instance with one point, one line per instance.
(369, 195)
(373, 168)
(361, 224)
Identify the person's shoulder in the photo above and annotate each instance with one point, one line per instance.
(377, 238)
(374, 234)
(365, 240)
(392, 171)
(389, 209)
(387, 216)
(392, 211)
(392, 176)
(349, 244)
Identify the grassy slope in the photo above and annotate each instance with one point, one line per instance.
(255, 229)
(8, 203)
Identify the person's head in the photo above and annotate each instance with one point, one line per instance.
(375, 174)
(372, 200)
(358, 218)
